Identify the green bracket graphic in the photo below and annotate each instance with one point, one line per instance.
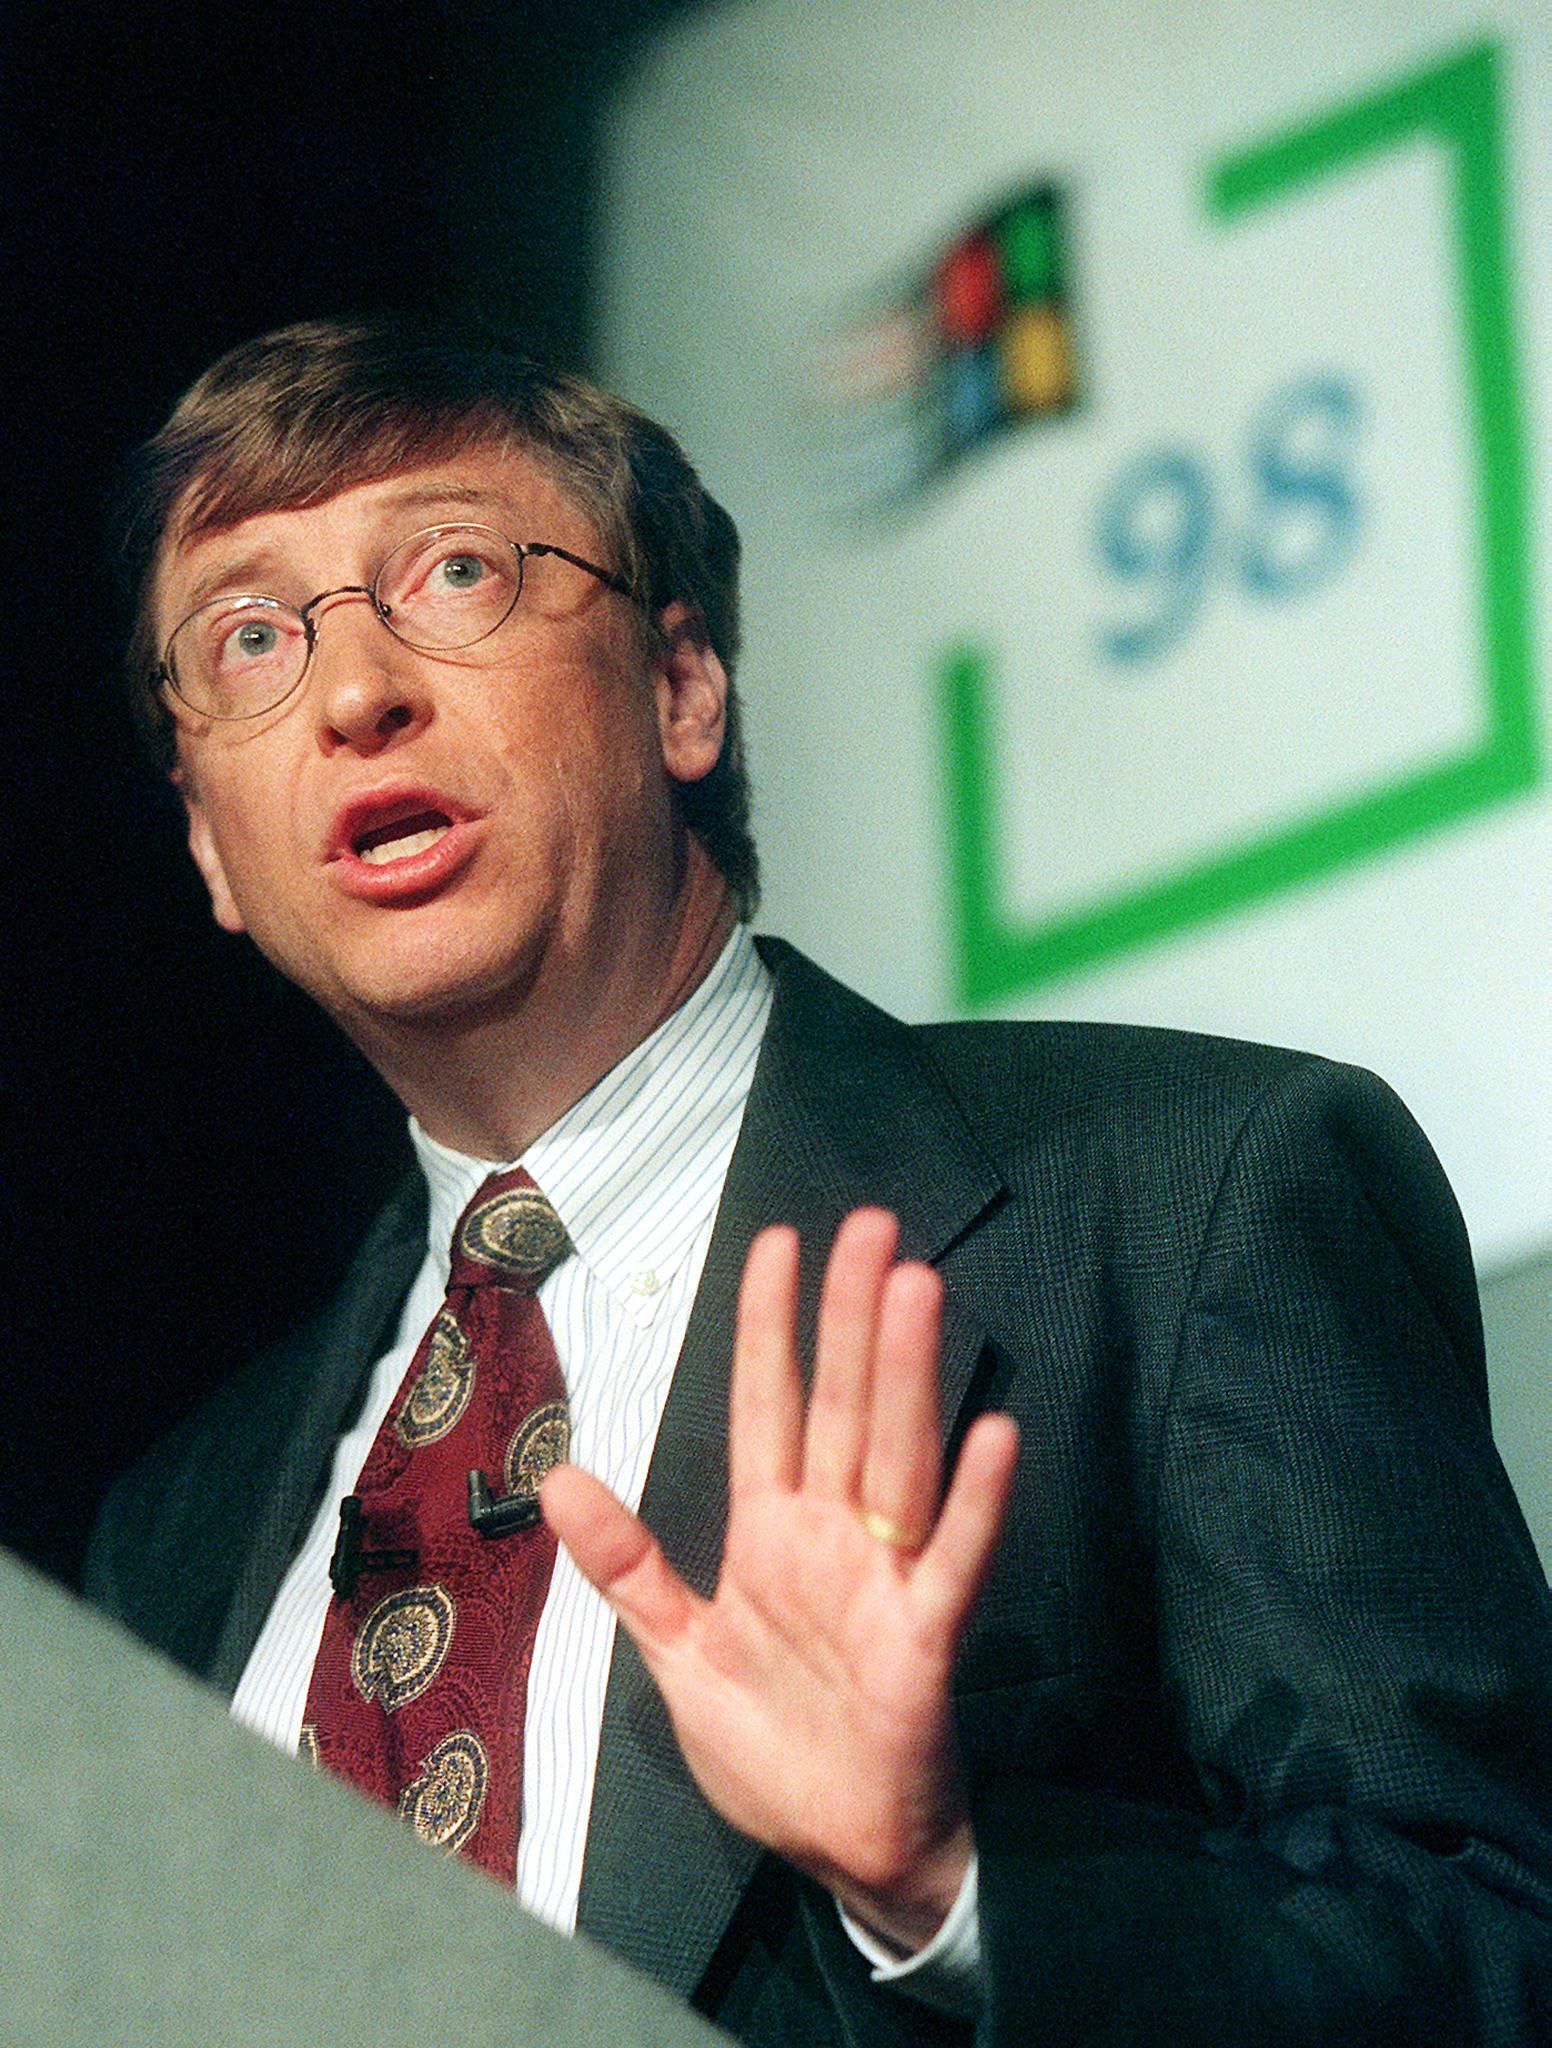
(996, 955)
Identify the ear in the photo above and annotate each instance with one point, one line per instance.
(207, 858)
(692, 695)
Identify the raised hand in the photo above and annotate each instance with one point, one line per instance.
(810, 1695)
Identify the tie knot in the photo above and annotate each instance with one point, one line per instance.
(509, 1236)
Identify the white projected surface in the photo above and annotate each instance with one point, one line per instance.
(1279, 415)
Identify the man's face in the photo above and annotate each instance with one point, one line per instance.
(413, 836)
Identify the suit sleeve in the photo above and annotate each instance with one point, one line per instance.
(1353, 1640)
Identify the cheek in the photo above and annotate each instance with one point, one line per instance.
(620, 785)
(251, 829)
(596, 801)
(596, 754)
(250, 834)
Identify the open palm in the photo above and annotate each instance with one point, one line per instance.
(810, 1694)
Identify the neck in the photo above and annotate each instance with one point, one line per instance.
(488, 1083)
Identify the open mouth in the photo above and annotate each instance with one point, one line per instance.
(380, 844)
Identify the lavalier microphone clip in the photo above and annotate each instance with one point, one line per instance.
(503, 1516)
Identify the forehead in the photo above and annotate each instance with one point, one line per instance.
(293, 552)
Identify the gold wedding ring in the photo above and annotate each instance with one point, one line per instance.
(883, 1530)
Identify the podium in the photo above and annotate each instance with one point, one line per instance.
(172, 1880)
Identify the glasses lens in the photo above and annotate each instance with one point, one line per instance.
(238, 656)
(449, 586)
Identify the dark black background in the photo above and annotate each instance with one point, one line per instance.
(191, 1150)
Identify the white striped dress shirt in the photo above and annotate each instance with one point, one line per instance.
(635, 1170)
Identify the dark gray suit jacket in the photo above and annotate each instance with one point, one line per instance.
(1257, 1706)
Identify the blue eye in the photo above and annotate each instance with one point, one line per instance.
(253, 640)
(460, 572)
(449, 586)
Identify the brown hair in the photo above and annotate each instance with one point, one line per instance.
(296, 416)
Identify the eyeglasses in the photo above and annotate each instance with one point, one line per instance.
(442, 589)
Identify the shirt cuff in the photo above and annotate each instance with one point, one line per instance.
(947, 1972)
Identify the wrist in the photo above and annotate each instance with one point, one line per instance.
(906, 1914)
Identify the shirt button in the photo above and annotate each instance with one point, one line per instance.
(646, 1282)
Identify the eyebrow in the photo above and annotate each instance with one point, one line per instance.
(441, 493)
(242, 574)
(245, 574)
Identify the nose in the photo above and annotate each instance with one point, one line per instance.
(369, 689)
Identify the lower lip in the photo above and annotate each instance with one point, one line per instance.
(414, 878)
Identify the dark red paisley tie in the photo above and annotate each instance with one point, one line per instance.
(443, 1563)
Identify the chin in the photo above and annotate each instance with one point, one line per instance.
(429, 993)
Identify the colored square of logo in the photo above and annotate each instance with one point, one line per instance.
(969, 293)
(972, 395)
(1036, 352)
(1029, 237)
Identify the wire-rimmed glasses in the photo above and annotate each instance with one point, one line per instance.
(444, 588)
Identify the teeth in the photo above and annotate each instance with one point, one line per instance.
(401, 849)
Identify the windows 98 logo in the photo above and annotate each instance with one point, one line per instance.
(1226, 521)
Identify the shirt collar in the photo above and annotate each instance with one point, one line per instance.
(635, 1167)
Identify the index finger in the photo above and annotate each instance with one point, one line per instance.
(765, 1398)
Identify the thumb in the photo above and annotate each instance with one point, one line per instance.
(618, 1556)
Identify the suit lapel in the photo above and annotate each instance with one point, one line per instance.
(340, 1349)
(843, 1111)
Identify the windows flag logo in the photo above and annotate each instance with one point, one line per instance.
(981, 342)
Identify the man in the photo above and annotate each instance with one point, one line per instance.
(1226, 1722)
